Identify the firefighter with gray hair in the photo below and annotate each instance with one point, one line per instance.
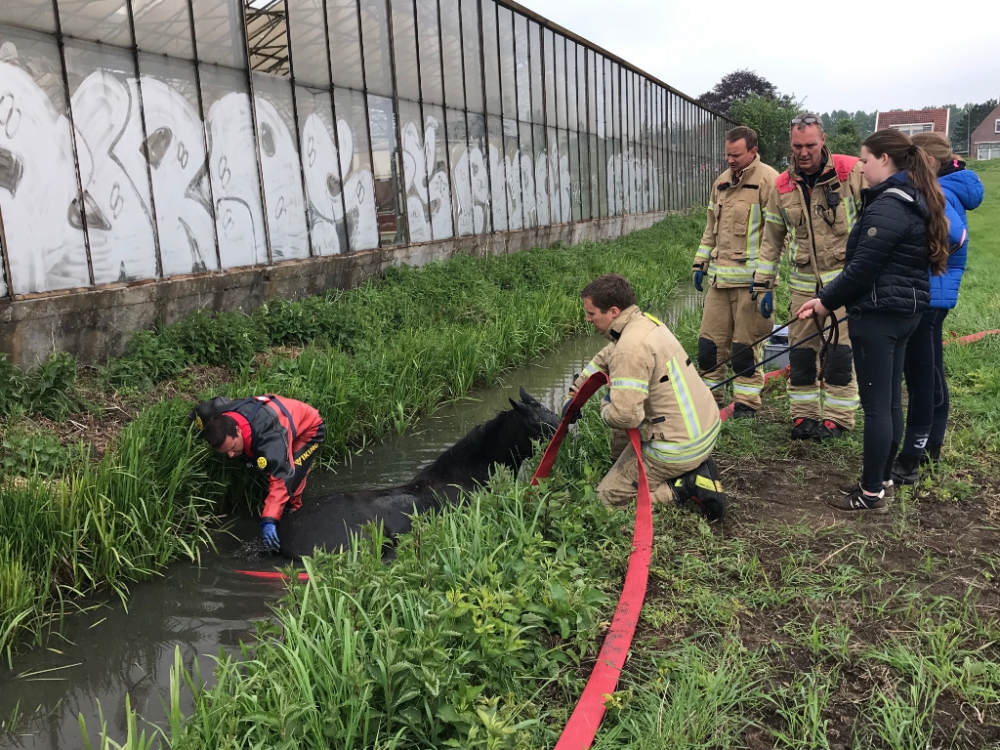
(726, 259)
(813, 206)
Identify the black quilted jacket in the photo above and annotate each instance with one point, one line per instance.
(887, 260)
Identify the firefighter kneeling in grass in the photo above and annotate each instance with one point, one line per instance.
(654, 387)
(280, 435)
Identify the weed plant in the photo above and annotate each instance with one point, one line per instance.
(47, 389)
(373, 359)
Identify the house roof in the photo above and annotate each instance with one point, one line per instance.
(986, 132)
(938, 117)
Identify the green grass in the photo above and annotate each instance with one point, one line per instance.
(371, 359)
(785, 629)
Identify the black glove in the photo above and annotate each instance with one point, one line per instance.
(565, 407)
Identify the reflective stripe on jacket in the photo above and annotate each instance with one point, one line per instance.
(735, 225)
(817, 235)
(655, 387)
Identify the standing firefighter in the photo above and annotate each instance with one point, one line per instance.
(814, 205)
(281, 435)
(654, 387)
(728, 257)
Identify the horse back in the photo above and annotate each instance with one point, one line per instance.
(328, 522)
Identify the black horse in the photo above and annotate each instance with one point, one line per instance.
(327, 522)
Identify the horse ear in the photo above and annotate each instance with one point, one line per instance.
(527, 398)
(519, 407)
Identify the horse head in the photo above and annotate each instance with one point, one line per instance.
(539, 422)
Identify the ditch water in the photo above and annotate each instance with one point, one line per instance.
(113, 651)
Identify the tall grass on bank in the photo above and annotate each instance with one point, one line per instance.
(103, 523)
(478, 634)
(464, 292)
(374, 358)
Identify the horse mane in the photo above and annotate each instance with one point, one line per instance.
(484, 445)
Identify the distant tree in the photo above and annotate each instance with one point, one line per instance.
(971, 118)
(737, 86)
(864, 122)
(843, 137)
(771, 118)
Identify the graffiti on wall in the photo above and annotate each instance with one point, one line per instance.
(428, 193)
(205, 204)
(163, 193)
(38, 193)
(473, 191)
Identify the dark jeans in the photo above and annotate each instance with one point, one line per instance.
(879, 343)
(927, 413)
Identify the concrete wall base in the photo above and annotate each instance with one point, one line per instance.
(95, 324)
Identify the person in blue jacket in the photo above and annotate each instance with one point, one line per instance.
(927, 414)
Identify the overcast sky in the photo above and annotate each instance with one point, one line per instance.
(838, 54)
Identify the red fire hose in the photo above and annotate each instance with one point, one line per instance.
(582, 726)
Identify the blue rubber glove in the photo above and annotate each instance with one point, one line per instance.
(699, 276)
(269, 531)
(565, 407)
(767, 305)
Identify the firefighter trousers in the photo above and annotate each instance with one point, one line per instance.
(620, 484)
(838, 400)
(731, 321)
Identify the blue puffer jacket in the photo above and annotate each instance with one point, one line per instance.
(963, 192)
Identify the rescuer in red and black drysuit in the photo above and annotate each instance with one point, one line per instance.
(280, 434)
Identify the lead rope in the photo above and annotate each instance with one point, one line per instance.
(796, 345)
(833, 337)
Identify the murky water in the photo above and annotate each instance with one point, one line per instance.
(110, 652)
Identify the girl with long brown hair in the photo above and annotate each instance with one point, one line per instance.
(901, 236)
(923, 369)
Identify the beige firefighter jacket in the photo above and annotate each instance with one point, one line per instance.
(817, 237)
(734, 227)
(655, 387)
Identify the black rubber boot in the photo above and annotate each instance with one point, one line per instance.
(804, 428)
(829, 430)
(703, 488)
(742, 411)
(906, 470)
